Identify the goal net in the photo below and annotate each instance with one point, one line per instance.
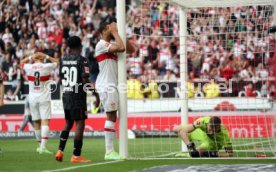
(225, 63)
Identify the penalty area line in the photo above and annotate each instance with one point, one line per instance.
(82, 166)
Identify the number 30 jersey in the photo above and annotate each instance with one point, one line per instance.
(73, 68)
(38, 75)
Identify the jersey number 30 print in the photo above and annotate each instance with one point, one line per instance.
(70, 76)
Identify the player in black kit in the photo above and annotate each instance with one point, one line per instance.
(74, 77)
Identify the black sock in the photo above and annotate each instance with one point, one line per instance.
(63, 139)
(77, 147)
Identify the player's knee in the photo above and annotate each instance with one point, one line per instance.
(68, 126)
(80, 124)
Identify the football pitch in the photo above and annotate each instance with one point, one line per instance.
(20, 155)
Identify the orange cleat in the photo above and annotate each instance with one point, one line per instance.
(59, 156)
(79, 159)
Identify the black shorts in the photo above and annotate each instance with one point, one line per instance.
(75, 114)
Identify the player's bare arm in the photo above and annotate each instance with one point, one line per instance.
(31, 58)
(119, 47)
(183, 132)
(27, 60)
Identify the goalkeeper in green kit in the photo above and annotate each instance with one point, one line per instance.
(204, 138)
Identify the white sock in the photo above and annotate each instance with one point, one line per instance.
(109, 132)
(38, 136)
(44, 135)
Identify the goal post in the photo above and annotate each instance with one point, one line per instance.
(183, 68)
(121, 22)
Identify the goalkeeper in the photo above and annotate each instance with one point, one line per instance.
(205, 137)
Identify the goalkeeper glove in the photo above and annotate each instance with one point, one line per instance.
(192, 150)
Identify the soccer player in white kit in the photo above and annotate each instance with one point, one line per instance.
(107, 80)
(38, 74)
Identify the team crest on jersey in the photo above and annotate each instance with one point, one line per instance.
(106, 44)
(197, 123)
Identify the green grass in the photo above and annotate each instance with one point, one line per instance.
(20, 155)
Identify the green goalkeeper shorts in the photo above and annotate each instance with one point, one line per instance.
(201, 140)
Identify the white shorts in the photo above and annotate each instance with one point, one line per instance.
(40, 110)
(109, 99)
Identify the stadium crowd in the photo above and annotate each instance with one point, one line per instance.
(222, 43)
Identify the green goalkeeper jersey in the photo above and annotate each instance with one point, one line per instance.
(222, 139)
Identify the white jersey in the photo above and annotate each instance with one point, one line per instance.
(108, 75)
(38, 75)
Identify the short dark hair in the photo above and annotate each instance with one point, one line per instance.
(214, 120)
(102, 27)
(106, 21)
(74, 42)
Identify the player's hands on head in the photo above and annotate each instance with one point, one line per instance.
(113, 28)
(42, 55)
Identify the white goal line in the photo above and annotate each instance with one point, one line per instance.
(83, 166)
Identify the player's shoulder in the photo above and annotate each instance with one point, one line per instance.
(205, 119)
(102, 43)
(202, 121)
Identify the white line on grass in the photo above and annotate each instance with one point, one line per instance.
(82, 166)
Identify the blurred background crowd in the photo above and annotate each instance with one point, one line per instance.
(222, 43)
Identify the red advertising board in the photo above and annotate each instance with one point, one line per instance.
(240, 125)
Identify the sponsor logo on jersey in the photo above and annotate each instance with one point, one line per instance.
(36, 88)
(37, 67)
(197, 122)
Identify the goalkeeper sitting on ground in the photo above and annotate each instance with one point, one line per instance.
(205, 137)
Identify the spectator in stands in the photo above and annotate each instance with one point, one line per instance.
(211, 89)
(261, 72)
(134, 87)
(169, 76)
(191, 89)
(249, 92)
(135, 64)
(1, 91)
(9, 96)
(153, 54)
(227, 71)
(7, 37)
(151, 91)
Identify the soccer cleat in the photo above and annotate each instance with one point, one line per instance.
(183, 155)
(112, 156)
(59, 156)
(44, 151)
(38, 150)
(79, 159)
